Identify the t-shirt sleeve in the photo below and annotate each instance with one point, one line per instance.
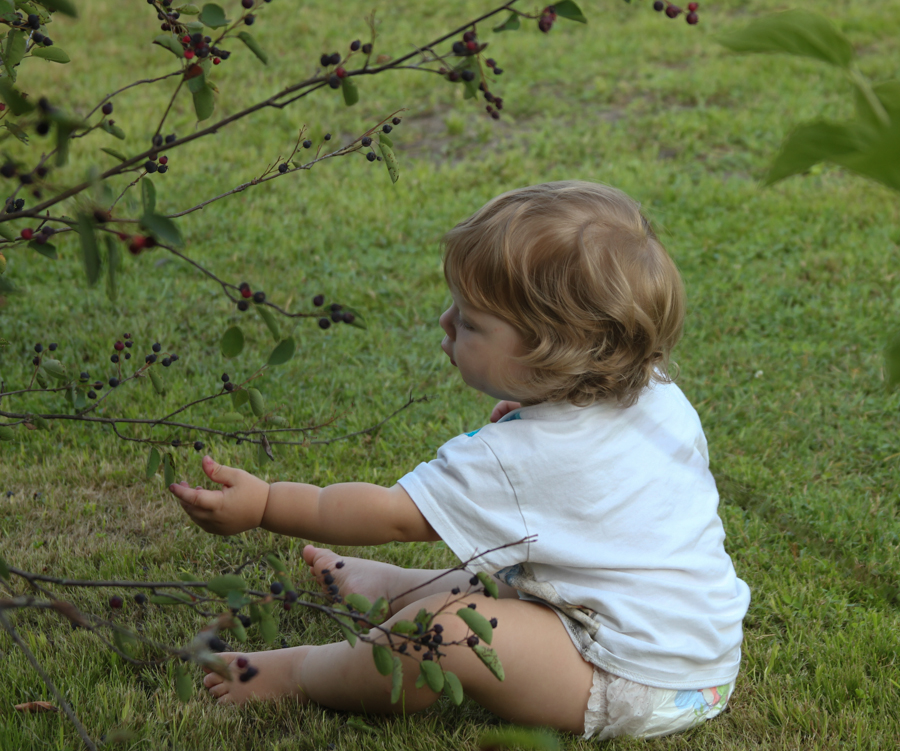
(467, 498)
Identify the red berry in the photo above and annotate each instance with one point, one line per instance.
(471, 46)
(164, 160)
(216, 60)
(189, 54)
(692, 18)
(672, 11)
(246, 292)
(27, 233)
(119, 346)
(186, 39)
(340, 73)
(242, 662)
(693, 6)
(115, 602)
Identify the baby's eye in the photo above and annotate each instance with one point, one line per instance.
(466, 325)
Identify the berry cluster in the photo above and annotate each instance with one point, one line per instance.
(156, 163)
(548, 17)
(259, 297)
(197, 45)
(168, 17)
(673, 11)
(466, 47)
(137, 244)
(33, 24)
(338, 314)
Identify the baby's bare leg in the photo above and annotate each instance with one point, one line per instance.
(376, 579)
(547, 681)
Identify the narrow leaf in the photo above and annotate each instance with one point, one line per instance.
(510, 24)
(168, 42)
(268, 629)
(257, 403)
(390, 161)
(283, 352)
(163, 229)
(16, 131)
(152, 462)
(810, 144)
(183, 686)
(213, 16)
(478, 623)
(66, 7)
(489, 657)
(276, 563)
(15, 48)
(453, 688)
(53, 54)
(148, 195)
(113, 130)
(247, 39)
(204, 102)
(16, 102)
(350, 92)
(358, 602)
(396, 680)
(222, 585)
(89, 253)
(404, 627)
(570, 10)
(489, 583)
(384, 662)
(45, 249)
(168, 470)
(796, 32)
(156, 380)
(232, 343)
(269, 317)
(238, 631)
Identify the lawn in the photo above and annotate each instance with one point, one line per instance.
(792, 293)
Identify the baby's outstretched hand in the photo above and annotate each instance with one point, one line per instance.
(239, 506)
(502, 409)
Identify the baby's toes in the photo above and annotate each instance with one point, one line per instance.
(212, 679)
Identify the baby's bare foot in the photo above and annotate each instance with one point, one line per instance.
(370, 578)
(266, 675)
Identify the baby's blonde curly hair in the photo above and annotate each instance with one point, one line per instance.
(577, 270)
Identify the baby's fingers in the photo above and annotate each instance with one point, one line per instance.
(198, 497)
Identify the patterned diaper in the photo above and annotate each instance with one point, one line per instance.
(618, 706)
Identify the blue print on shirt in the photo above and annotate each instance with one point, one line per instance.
(472, 433)
(507, 418)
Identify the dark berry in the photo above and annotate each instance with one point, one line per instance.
(324, 323)
(151, 167)
(468, 75)
(332, 590)
(37, 360)
(327, 136)
(38, 347)
(692, 17)
(335, 58)
(387, 128)
(162, 169)
(113, 382)
(249, 673)
(334, 81)
(428, 656)
(37, 37)
(247, 3)
(107, 108)
(438, 628)
(243, 305)
(217, 645)
(140, 598)
(276, 588)
(259, 297)
(157, 140)
(245, 620)
(98, 384)
(672, 11)
(114, 358)
(328, 579)
(229, 386)
(459, 48)
(48, 42)
(282, 168)
(324, 60)
(156, 347)
(396, 121)
(150, 358)
(453, 75)
(339, 564)
(307, 144)
(198, 446)
(348, 317)
(454, 591)
(225, 378)
(354, 45)
(53, 347)
(367, 49)
(173, 358)
(128, 355)
(171, 137)
(249, 21)
(129, 344)
(365, 141)
(472, 641)
(471, 605)
(473, 581)
(371, 156)
(115, 602)
(42, 128)
(166, 362)
(85, 376)
(176, 443)
(493, 622)
(318, 300)
(291, 596)
(337, 316)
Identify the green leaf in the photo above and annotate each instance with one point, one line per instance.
(453, 688)
(168, 470)
(524, 739)
(4, 570)
(433, 674)
(247, 39)
(348, 632)
(892, 362)
(18, 105)
(213, 16)
(63, 132)
(277, 564)
(358, 602)
(156, 380)
(489, 583)
(168, 42)
(269, 317)
(384, 660)
(188, 10)
(489, 657)
(396, 680)
(358, 723)
(47, 249)
(510, 24)
(148, 195)
(379, 611)
(238, 630)
(232, 343)
(570, 10)
(16, 131)
(163, 229)
(40, 423)
(796, 32)
(6, 433)
(283, 352)
(14, 49)
(268, 629)
(113, 262)
(257, 403)
(53, 54)
(222, 585)
(390, 161)
(478, 623)
(152, 462)
(810, 144)
(869, 108)
(197, 82)
(237, 600)
(204, 102)
(385, 138)
(168, 600)
(183, 686)
(350, 92)
(66, 7)
(404, 627)
(113, 130)
(54, 369)
(89, 253)
(229, 418)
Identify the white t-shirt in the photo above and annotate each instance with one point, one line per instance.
(629, 543)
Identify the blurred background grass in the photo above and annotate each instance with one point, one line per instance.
(791, 293)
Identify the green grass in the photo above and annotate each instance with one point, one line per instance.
(790, 291)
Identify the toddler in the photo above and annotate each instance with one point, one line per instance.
(623, 614)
